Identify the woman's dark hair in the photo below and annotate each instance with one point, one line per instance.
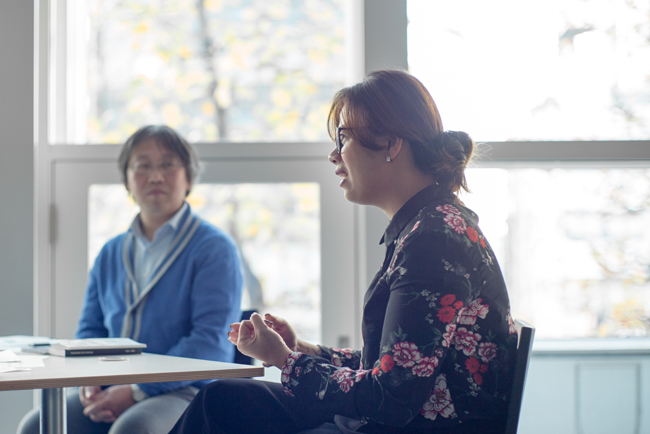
(168, 139)
(393, 103)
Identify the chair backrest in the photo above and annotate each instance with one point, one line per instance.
(526, 333)
(240, 358)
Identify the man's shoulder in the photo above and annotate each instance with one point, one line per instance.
(114, 244)
(211, 234)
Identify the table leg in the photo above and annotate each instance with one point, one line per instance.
(53, 411)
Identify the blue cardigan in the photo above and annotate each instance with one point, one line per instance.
(186, 313)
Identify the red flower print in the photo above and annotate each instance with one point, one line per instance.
(466, 341)
(487, 351)
(446, 314)
(472, 234)
(458, 304)
(472, 365)
(448, 209)
(425, 367)
(469, 313)
(348, 353)
(297, 371)
(287, 390)
(360, 375)
(439, 400)
(387, 363)
(344, 377)
(455, 222)
(478, 378)
(449, 334)
(375, 371)
(336, 360)
(406, 354)
(483, 369)
(482, 242)
(447, 299)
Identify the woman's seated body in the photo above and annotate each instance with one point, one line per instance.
(439, 342)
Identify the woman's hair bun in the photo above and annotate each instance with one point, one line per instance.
(451, 140)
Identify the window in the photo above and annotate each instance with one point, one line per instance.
(569, 234)
(508, 70)
(250, 82)
(215, 70)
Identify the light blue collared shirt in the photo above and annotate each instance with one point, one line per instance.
(148, 255)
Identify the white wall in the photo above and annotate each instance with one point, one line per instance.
(16, 186)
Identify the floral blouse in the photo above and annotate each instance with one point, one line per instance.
(439, 340)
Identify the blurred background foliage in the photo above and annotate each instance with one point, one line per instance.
(215, 70)
(574, 245)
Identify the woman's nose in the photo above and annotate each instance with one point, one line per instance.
(334, 156)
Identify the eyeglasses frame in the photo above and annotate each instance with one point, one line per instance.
(339, 144)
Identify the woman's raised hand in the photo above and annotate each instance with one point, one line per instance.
(255, 338)
(284, 329)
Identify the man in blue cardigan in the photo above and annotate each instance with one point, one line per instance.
(172, 281)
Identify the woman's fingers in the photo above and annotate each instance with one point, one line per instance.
(246, 331)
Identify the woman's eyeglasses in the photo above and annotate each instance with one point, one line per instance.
(339, 142)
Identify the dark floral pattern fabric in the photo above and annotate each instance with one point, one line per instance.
(439, 340)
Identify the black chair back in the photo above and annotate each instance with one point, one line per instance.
(526, 333)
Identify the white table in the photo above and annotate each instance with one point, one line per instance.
(61, 372)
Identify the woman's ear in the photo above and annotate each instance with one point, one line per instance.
(394, 147)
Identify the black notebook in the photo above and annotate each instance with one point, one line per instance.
(95, 347)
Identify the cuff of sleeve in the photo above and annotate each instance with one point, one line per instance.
(286, 371)
(137, 393)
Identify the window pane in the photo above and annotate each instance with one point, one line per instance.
(574, 245)
(277, 228)
(546, 70)
(215, 70)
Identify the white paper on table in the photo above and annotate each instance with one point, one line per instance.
(9, 361)
(8, 356)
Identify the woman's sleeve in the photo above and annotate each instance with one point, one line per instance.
(420, 320)
(215, 304)
(341, 356)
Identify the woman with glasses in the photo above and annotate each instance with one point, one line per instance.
(172, 281)
(438, 339)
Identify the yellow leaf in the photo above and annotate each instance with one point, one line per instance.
(208, 108)
(281, 98)
(141, 28)
(172, 115)
(185, 52)
(223, 93)
(196, 200)
(214, 5)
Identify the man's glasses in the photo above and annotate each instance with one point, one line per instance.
(146, 168)
(339, 142)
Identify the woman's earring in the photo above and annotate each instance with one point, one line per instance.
(388, 159)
